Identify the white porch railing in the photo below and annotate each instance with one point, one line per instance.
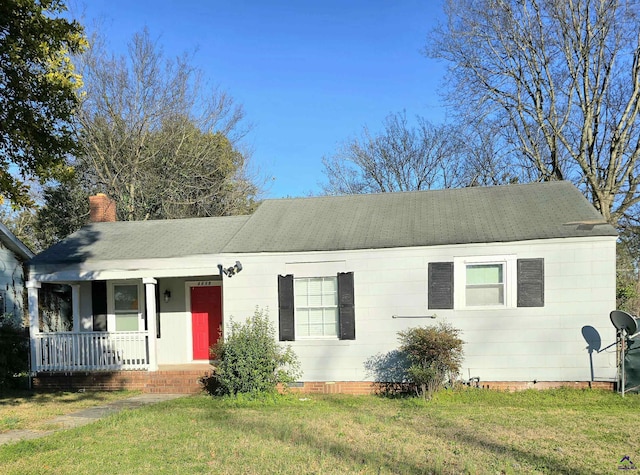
(91, 351)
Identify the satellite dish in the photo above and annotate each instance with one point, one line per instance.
(624, 322)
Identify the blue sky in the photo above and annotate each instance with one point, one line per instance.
(310, 75)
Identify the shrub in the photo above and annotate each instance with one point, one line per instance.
(14, 354)
(434, 354)
(250, 360)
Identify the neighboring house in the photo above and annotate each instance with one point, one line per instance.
(13, 256)
(524, 271)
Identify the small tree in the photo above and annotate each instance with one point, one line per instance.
(251, 360)
(435, 355)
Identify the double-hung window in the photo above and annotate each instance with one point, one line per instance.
(485, 284)
(316, 303)
(126, 309)
(316, 307)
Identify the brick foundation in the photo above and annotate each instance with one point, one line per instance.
(338, 387)
(188, 382)
(356, 387)
(522, 385)
(167, 382)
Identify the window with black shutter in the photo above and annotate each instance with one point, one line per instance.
(316, 307)
(530, 282)
(440, 285)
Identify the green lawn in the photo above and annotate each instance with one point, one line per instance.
(474, 431)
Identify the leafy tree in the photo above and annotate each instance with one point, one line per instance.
(562, 79)
(38, 87)
(399, 158)
(151, 139)
(65, 210)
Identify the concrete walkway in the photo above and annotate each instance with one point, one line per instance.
(87, 416)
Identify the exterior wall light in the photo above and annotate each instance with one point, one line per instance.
(230, 271)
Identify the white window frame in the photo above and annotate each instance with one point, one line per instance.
(509, 278)
(296, 317)
(111, 304)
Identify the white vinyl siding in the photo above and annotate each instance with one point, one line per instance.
(316, 311)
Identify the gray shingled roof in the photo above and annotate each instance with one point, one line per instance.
(423, 218)
(143, 240)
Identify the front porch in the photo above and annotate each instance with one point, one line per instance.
(90, 351)
(123, 325)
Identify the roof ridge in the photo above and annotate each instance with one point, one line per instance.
(434, 191)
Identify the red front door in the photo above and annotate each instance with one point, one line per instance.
(206, 319)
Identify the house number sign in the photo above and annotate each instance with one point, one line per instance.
(203, 283)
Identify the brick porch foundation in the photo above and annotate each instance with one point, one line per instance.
(168, 382)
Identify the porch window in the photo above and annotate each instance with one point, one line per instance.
(126, 306)
(55, 308)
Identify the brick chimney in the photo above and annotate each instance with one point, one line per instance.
(102, 208)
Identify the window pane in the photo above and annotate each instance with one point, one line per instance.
(302, 322)
(485, 295)
(484, 274)
(126, 297)
(329, 285)
(331, 322)
(330, 295)
(301, 291)
(127, 322)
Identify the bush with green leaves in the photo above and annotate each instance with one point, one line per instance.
(434, 354)
(250, 359)
(14, 351)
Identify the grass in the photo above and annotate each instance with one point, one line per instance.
(33, 411)
(473, 431)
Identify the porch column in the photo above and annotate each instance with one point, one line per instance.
(150, 312)
(34, 320)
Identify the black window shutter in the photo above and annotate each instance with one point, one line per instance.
(346, 309)
(99, 305)
(440, 285)
(285, 308)
(530, 282)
